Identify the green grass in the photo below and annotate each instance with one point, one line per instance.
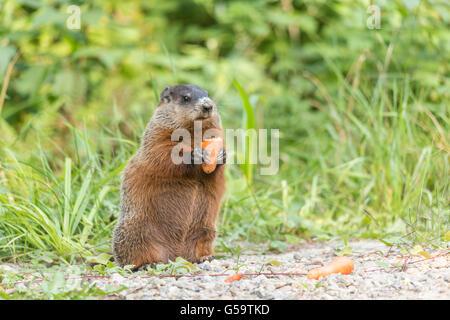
(65, 208)
(365, 171)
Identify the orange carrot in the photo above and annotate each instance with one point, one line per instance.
(234, 277)
(343, 265)
(213, 146)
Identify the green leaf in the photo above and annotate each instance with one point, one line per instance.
(100, 268)
(88, 220)
(47, 15)
(275, 263)
(424, 254)
(345, 251)
(102, 258)
(67, 194)
(292, 239)
(6, 54)
(417, 249)
(81, 197)
(278, 245)
(384, 265)
(250, 126)
(447, 235)
(109, 57)
(128, 267)
(4, 295)
(31, 80)
(386, 242)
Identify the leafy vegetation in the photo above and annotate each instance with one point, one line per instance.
(363, 116)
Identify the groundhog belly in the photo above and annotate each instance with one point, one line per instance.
(188, 219)
(176, 207)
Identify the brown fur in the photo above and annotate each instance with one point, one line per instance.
(167, 210)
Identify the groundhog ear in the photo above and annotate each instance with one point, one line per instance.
(165, 95)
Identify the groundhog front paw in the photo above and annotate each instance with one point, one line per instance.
(221, 157)
(200, 155)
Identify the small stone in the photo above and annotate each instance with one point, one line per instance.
(263, 294)
(412, 270)
(297, 257)
(351, 289)
(7, 268)
(205, 266)
(207, 279)
(173, 291)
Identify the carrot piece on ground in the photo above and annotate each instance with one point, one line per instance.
(234, 277)
(342, 265)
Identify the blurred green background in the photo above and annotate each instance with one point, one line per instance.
(363, 114)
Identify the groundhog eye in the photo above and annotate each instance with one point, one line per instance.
(186, 98)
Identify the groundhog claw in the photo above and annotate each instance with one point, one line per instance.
(200, 155)
(145, 266)
(222, 157)
(206, 258)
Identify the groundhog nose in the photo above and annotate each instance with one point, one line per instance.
(206, 104)
(207, 108)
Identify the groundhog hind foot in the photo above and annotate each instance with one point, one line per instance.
(144, 267)
(206, 258)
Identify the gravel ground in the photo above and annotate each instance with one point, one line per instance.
(414, 278)
(427, 279)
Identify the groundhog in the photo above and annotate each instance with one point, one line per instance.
(168, 209)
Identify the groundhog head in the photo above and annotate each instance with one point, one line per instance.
(186, 103)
